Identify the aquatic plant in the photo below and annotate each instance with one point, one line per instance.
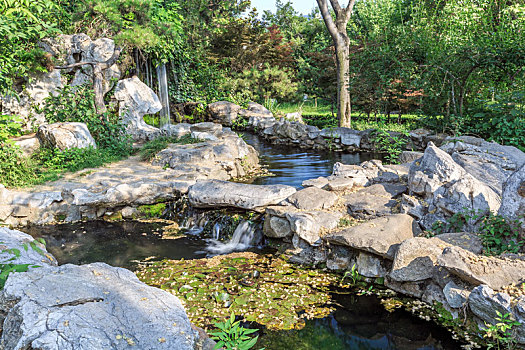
(231, 335)
(262, 288)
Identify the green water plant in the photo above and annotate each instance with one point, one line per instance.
(231, 335)
(500, 335)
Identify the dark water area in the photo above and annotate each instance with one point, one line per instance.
(292, 165)
(359, 322)
(115, 243)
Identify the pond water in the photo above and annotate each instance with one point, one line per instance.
(358, 322)
(292, 165)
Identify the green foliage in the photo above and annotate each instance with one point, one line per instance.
(390, 144)
(22, 24)
(261, 84)
(8, 267)
(9, 126)
(76, 104)
(501, 120)
(152, 26)
(15, 169)
(232, 335)
(54, 161)
(498, 234)
(500, 335)
(353, 274)
(151, 148)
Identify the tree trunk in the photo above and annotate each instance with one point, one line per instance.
(339, 35)
(343, 94)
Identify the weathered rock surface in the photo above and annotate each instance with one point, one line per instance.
(381, 236)
(416, 258)
(375, 200)
(12, 241)
(456, 296)
(28, 144)
(224, 156)
(409, 156)
(476, 269)
(312, 198)
(223, 112)
(66, 135)
(308, 225)
(319, 182)
(216, 194)
(370, 265)
(93, 306)
(447, 187)
(488, 162)
(176, 130)
(484, 303)
(136, 99)
(513, 198)
(66, 50)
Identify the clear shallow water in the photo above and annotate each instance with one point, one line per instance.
(292, 165)
(358, 322)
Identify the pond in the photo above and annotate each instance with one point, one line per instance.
(292, 165)
(359, 322)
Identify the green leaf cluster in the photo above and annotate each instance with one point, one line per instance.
(233, 336)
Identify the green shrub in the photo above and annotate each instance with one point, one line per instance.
(502, 120)
(76, 104)
(15, 169)
(391, 145)
(74, 159)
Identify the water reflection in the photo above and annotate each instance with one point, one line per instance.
(118, 243)
(292, 165)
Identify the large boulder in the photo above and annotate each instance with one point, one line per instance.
(223, 112)
(216, 194)
(447, 188)
(476, 269)
(489, 162)
(66, 136)
(93, 306)
(381, 236)
(484, 303)
(513, 198)
(312, 198)
(136, 99)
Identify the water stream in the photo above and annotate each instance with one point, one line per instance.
(358, 322)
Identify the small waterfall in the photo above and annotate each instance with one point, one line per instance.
(162, 77)
(243, 238)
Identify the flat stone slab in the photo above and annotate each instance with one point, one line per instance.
(93, 306)
(375, 200)
(312, 198)
(381, 236)
(476, 269)
(218, 194)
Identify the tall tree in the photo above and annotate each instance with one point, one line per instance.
(341, 41)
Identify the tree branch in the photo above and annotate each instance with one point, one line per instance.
(335, 5)
(349, 9)
(328, 20)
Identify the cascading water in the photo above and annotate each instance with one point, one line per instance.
(243, 238)
(162, 77)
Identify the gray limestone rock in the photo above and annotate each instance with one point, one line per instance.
(380, 236)
(66, 135)
(13, 243)
(216, 194)
(484, 303)
(93, 307)
(513, 198)
(312, 198)
(456, 296)
(375, 200)
(136, 99)
(477, 269)
(223, 112)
